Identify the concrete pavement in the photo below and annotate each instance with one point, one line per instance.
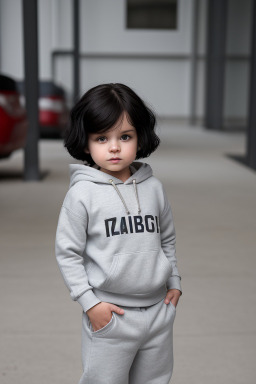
(213, 200)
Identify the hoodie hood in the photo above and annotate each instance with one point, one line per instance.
(140, 172)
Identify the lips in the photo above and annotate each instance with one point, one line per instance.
(114, 160)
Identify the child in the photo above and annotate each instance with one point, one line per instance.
(115, 241)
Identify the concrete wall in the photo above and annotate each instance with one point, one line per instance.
(157, 64)
(11, 43)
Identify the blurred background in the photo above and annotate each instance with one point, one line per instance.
(193, 62)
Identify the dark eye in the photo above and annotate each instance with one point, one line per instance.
(101, 139)
(125, 137)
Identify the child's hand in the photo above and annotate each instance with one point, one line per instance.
(100, 315)
(172, 295)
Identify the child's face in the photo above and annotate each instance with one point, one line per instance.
(114, 150)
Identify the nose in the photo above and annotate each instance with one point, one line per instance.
(114, 146)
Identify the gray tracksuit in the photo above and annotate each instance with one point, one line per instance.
(115, 242)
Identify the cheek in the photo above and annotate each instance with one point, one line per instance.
(135, 149)
(91, 148)
(97, 151)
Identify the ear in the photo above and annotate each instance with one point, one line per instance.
(86, 150)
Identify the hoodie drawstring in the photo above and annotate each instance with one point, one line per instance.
(122, 199)
(136, 195)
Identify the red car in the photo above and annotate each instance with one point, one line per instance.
(13, 119)
(53, 110)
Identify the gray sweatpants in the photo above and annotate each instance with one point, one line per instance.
(134, 348)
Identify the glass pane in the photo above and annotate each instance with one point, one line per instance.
(152, 14)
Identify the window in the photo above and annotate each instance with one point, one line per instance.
(151, 14)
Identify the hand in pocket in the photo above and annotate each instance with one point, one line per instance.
(101, 314)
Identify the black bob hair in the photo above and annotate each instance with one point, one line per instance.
(99, 109)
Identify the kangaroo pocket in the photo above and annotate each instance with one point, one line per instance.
(137, 272)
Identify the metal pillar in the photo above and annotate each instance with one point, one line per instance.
(76, 66)
(31, 88)
(251, 132)
(215, 63)
(193, 83)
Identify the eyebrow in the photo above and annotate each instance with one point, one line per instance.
(128, 130)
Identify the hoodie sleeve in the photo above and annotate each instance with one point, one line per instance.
(168, 242)
(69, 247)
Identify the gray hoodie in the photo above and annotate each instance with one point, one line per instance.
(115, 240)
